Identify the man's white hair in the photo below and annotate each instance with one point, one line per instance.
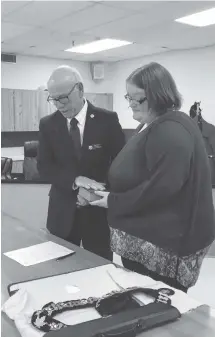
(62, 78)
(72, 71)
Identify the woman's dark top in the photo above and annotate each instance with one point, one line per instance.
(160, 208)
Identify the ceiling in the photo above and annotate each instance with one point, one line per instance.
(46, 28)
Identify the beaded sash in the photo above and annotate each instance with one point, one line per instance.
(106, 305)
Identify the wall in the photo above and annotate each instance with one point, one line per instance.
(194, 73)
(193, 70)
(32, 72)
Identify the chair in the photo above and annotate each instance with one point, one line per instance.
(30, 161)
(6, 168)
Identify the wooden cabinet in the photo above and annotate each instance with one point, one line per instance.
(25, 110)
(21, 110)
(7, 110)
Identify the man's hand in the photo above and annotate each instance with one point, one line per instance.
(81, 202)
(89, 184)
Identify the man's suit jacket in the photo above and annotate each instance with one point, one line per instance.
(57, 162)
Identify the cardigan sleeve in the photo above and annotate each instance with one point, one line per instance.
(168, 154)
(116, 141)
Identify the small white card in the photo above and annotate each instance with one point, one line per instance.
(38, 253)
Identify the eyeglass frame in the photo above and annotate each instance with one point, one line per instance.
(55, 100)
(138, 101)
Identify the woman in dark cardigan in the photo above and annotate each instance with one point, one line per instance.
(160, 206)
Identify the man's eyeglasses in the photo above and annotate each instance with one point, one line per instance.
(136, 101)
(64, 99)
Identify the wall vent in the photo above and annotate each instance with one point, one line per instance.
(8, 58)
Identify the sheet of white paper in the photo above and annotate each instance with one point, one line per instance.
(38, 253)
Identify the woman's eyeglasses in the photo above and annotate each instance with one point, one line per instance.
(63, 99)
(136, 101)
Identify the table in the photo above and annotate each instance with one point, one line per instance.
(16, 234)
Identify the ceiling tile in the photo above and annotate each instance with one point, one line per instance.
(10, 6)
(135, 6)
(32, 37)
(46, 28)
(70, 39)
(52, 44)
(10, 48)
(11, 30)
(44, 38)
(159, 12)
(43, 12)
(90, 17)
(159, 34)
(197, 37)
(134, 21)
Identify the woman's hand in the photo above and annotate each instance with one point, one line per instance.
(101, 202)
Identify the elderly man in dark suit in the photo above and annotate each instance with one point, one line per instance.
(77, 144)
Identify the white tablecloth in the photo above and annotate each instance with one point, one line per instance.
(34, 294)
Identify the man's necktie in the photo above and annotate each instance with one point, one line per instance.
(76, 137)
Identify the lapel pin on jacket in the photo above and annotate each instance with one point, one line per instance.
(94, 146)
(92, 116)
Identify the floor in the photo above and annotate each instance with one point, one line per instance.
(204, 290)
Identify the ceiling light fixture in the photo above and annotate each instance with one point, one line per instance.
(97, 46)
(201, 19)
